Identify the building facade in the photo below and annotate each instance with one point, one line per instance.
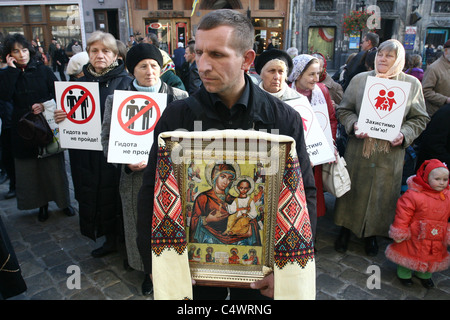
(65, 20)
(308, 25)
(176, 20)
(317, 25)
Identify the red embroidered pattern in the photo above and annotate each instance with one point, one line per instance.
(293, 236)
(168, 224)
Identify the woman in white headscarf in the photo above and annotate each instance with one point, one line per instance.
(375, 166)
(304, 79)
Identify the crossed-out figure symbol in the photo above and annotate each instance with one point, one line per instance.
(72, 100)
(132, 109)
(384, 102)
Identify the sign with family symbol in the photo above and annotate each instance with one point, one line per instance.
(317, 144)
(383, 108)
(134, 117)
(81, 102)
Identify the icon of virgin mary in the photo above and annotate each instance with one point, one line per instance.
(210, 212)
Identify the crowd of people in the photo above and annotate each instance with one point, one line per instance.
(210, 81)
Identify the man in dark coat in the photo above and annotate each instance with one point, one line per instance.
(178, 57)
(228, 99)
(358, 63)
(190, 77)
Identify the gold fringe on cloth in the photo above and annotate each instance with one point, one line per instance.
(372, 145)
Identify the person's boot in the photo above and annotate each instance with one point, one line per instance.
(43, 213)
(69, 211)
(427, 283)
(341, 243)
(108, 247)
(371, 246)
(147, 285)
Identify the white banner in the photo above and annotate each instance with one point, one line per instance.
(133, 120)
(81, 102)
(317, 144)
(383, 107)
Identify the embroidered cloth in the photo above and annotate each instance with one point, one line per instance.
(294, 264)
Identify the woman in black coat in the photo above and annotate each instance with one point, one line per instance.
(434, 143)
(96, 182)
(28, 84)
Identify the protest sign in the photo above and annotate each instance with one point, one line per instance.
(317, 144)
(81, 102)
(383, 107)
(134, 117)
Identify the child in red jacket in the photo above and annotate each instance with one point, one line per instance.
(421, 230)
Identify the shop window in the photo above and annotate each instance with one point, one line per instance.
(324, 5)
(386, 5)
(441, 7)
(10, 14)
(321, 40)
(34, 13)
(165, 5)
(4, 31)
(266, 4)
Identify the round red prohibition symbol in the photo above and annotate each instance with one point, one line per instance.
(142, 112)
(78, 102)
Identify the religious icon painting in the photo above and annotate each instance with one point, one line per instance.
(229, 196)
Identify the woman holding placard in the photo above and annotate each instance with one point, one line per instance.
(375, 166)
(96, 182)
(304, 79)
(145, 62)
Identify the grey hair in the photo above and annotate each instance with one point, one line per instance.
(389, 46)
(243, 28)
(107, 39)
(292, 51)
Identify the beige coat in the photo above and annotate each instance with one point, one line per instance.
(368, 208)
(436, 84)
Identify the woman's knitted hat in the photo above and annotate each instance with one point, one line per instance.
(76, 63)
(268, 55)
(141, 52)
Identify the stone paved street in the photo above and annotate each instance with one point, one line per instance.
(45, 251)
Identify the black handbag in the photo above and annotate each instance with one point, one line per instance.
(34, 129)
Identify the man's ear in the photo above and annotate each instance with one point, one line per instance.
(249, 57)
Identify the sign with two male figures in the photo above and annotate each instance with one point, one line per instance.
(81, 102)
(134, 118)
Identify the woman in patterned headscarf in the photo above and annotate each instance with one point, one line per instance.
(305, 80)
(375, 166)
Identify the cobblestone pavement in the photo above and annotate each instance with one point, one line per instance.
(46, 249)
